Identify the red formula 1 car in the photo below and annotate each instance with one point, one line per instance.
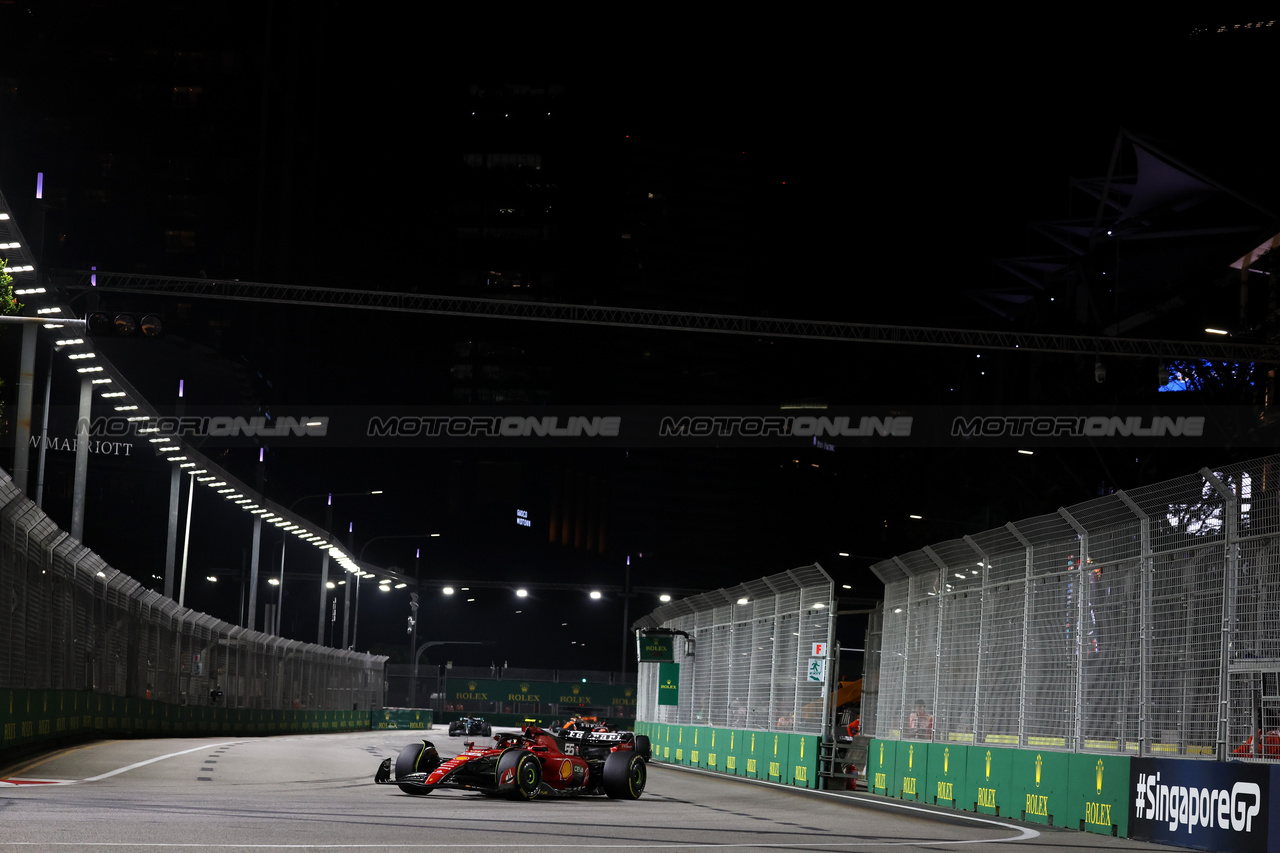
(523, 766)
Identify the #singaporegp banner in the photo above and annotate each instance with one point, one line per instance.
(1225, 807)
(1205, 805)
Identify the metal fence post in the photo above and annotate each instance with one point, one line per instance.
(1146, 560)
(1229, 545)
(1083, 559)
(906, 646)
(937, 643)
(1026, 628)
(982, 630)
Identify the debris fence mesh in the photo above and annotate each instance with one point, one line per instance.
(1145, 622)
(73, 622)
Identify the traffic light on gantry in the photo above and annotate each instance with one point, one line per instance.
(124, 324)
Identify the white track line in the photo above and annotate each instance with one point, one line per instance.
(120, 770)
(1025, 833)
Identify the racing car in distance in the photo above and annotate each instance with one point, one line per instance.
(470, 726)
(595, 744)
(524, 765)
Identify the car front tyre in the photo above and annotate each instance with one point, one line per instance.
(406, 763)
(528, 777)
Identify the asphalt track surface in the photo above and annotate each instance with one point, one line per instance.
(316, 792)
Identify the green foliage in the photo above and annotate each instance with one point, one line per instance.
(8, 303)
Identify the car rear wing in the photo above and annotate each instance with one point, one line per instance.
(587, 738)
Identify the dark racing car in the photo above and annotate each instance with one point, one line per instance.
(595, 744)
(471, 727)
(523, 766)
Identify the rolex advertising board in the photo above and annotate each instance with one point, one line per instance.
(655, 648)
(668, 684)
(543, 693)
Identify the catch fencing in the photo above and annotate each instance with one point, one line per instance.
(1142, 622)
(743, 655)
(71, 622)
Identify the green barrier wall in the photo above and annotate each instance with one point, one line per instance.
(757, 754)
(715, 749)
(945, 783)
(1078, 791)
(804, 760)
(520, 720)
(778, 756)
(734, 762)
(402, 718)
(1088, 792)
(34, 718)
(990, 778)
(1098, 794)
(781, 757)
(882, 757)
(912, 770)
(1040, 782)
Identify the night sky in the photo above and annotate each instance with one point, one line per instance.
(886, 160)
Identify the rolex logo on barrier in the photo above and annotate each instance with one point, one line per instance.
(1099, 775)
(988, 764)
(1039, 767)
(911, 756)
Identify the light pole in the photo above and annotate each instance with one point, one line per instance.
(324, 559)
(413, 647)
(360, 559)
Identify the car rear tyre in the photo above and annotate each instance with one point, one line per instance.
(642, 747)
(406, 763)
(624, 775)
